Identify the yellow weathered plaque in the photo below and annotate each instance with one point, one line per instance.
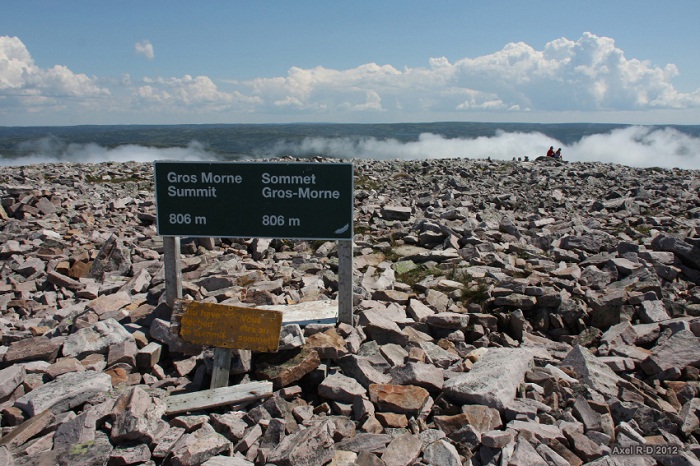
(225, 326)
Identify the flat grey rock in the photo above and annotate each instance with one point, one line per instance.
(65, 392)
(494, 379)
(95, 339)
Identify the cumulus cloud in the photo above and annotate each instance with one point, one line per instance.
(198, 92)
(589, 74)
(144, 48)
(22, 79)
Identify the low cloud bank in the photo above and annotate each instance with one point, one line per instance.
(636, 146)
(53, 150)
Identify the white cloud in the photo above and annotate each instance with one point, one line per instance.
(188, 93)
(144, 48)
(589, 74)
(22, 79)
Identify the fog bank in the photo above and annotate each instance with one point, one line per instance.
(636, 146)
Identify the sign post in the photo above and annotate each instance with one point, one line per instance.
(173, 272)
(312, 201)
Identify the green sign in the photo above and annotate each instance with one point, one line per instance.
(251, 200)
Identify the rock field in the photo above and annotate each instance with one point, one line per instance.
(506, 313)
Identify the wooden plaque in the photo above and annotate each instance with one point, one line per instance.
(225, 326)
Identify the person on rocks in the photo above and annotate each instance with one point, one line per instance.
(550, 152)
(557, 154)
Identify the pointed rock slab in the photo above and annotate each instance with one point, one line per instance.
(285, 368)
(89, 453)
(382, 330)
(5, 455)
(371, 443)
(442, 453)
(591, 371)
(113, 257)
(402, 399)
(136, 416)
(449, 320)
(167, 440)
(28, 429)
(95, 339)
(10, 378)
(494, 379)
(77, 430)
(481, 418)
(162, 331)
(328, 344)
(438, 356)
(420, 374)
(137, 454)
(687, 252)
(688, 414)
(63, 281)
(338, 387)
(308, 447)
(402, 450)
(362, 370)
(653, 311)
(517, 300)
(291, 337)
(525, 453)
(584, 447)
(65, 392)
(679, 351)
(109, 303)
(618, 335)
(395, 212)
(497, 439)
(418, 311)
(200, 446)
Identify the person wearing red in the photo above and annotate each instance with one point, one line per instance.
(550, 152)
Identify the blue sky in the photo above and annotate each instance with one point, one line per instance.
(165, 62)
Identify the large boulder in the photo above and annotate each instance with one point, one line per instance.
(494, 379)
